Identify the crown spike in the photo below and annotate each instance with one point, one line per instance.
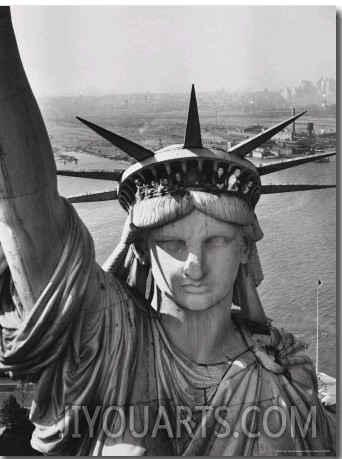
(271, 189)
(245, 147)
(114, 175)
(286, 164)
(134, 150)
(94, 197)
(193, 130)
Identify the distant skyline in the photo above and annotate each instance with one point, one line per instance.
(126, 49)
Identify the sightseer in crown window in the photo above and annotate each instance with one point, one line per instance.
(247, 187)
(178, 180)
(152, 189)
(163, 186)
(220, 178)
(234, 181)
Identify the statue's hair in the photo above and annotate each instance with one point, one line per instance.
(223, 205)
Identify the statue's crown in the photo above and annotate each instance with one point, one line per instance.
(175, 169)
(193, 165)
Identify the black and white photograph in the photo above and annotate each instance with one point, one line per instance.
(168, 230)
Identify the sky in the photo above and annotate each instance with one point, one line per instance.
(72, 50)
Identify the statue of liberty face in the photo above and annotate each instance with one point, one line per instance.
(195, 260)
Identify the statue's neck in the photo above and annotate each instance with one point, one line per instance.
(205, 337)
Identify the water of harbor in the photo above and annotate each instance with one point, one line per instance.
(298, 247)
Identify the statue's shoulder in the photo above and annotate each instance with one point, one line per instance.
(121, 291)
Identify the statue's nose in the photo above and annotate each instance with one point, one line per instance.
(193, 267)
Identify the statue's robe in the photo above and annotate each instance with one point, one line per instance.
(98, 351)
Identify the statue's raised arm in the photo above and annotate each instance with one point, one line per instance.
(32, 215)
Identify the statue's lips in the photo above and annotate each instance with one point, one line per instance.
(196, 289)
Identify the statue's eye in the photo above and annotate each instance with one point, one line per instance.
(172, 245)
(217, 241)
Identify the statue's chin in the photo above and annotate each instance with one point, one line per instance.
(191, 301)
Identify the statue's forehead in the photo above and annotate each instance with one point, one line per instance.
(195, 223)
